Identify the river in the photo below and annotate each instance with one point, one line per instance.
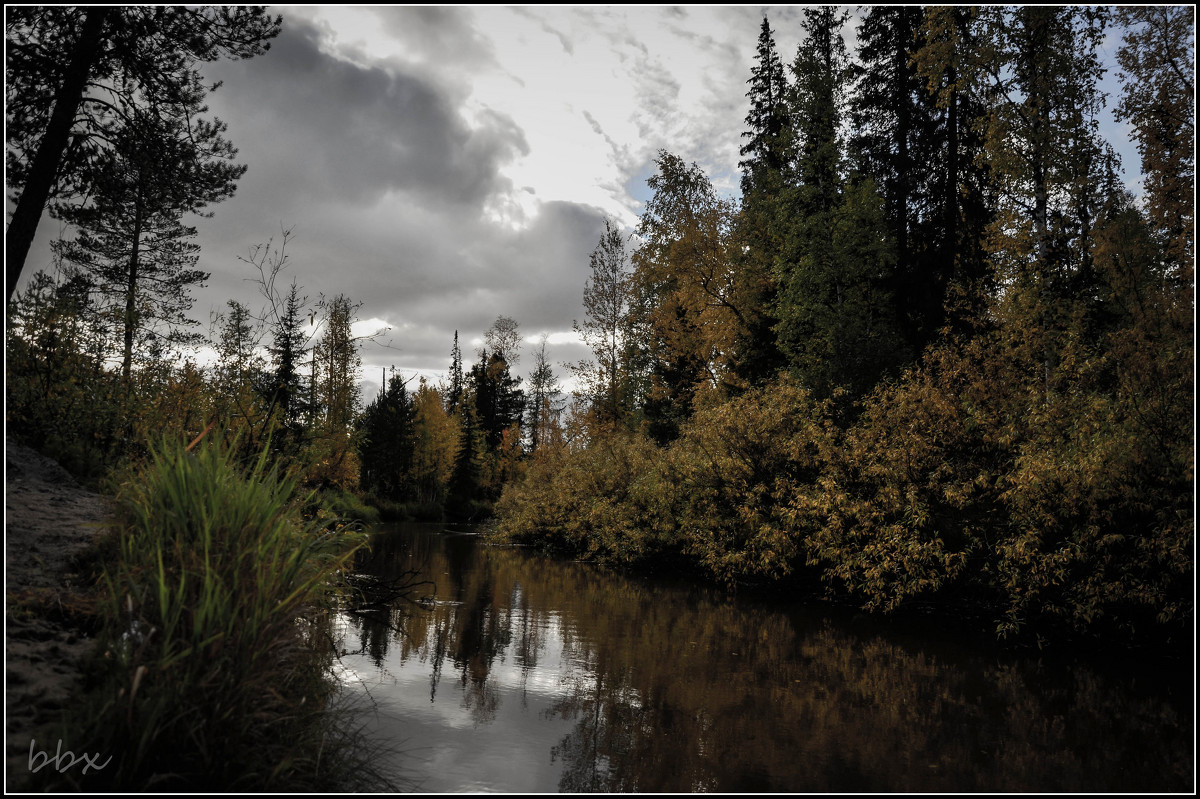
(504, 670)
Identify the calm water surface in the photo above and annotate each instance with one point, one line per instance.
(520, 673)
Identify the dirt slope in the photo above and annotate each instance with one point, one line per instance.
(49, 520)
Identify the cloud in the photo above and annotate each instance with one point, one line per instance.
(442, 37)
(386, 177)
(322, 128)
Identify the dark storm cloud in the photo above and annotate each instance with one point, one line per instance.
(389, 188)
(383, 179)
(430, 274)
(328, 129)
(535, 275)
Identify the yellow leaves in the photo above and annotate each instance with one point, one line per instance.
(966, 473)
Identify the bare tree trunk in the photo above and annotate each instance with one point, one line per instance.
(131, 294)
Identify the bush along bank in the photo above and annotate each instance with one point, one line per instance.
(944, 493)
(214, 667)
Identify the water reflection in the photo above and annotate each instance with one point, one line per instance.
(560, 677)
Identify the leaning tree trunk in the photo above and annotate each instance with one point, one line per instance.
(44, 169)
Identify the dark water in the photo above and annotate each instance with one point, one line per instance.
(527, 674)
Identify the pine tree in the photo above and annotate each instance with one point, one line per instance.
(74, 77)
(131, 238)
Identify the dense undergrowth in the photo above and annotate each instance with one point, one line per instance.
(213, 669)
(1062, 513)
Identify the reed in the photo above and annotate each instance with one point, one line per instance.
(215, 666)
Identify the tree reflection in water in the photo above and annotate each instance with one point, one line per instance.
(674, 689)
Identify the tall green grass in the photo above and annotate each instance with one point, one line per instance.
(214, 672)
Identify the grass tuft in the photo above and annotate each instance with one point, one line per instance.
(215, 666)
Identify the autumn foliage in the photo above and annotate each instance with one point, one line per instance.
(1032, 461)
(936, 355)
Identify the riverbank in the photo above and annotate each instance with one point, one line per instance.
(50, 523)
(215, 673)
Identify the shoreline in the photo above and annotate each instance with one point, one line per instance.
(49, 522)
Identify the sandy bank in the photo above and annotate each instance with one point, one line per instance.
(49, 520)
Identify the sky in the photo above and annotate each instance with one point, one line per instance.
(446, 165)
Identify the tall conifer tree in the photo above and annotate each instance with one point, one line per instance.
(131, 237)
(834, 307)
(499, 402)
(287, 352)
(757, 357)
(962, 202)
(767, 121)
(895, 143)
(454, 394)
(388, 442)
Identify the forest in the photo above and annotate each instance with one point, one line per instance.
(935, 355)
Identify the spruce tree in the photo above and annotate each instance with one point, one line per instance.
(961, 204)
(454, 394)
(767, 121)
(287, 351)
(465, 478)
(895, 143)
(387, 445)
(836, 320)
(817, 100)
(756, 355)
(499, 402)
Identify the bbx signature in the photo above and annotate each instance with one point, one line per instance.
(62, 760)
